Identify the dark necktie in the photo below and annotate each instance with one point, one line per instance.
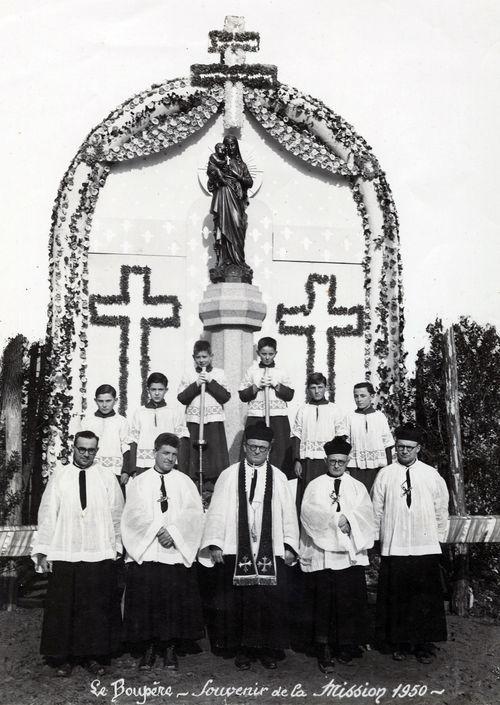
(82, 482)
(164, 502)
(252, 485)
(337, 490)
(408, 488)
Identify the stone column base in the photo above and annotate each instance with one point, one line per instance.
(231, 313)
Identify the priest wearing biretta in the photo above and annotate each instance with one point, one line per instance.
(251, 534)
(338, 528)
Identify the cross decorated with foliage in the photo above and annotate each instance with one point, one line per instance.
(233, 72)
(126, 312)
(286, 325)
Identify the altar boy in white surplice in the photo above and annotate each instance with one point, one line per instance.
(337, 529)
(161, 527)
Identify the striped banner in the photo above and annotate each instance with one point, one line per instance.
(16, 541)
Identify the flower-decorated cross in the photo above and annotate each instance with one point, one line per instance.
(127, 311)
(316, 317)
(232, 72)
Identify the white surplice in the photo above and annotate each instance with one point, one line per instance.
(143, 518)
(322, 544)
(277, 375)
(114, 439)
(418, 529)
(369, 435)
(314, 425)
(147, 424)
(66, 532)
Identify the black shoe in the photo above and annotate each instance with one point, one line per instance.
(242, 662)
(95, 668)
(344, 655)
(63, 670)
(425, 653)
(148, 659)
(268, 661)
(325, 659)
(170, 659)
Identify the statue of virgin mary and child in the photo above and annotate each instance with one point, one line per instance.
(228, 182)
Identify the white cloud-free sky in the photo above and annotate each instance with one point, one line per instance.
(419, 79)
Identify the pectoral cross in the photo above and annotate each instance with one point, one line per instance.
(334, 497)
(232, 72)
(264, 564)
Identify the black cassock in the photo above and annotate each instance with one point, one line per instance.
(410, 600)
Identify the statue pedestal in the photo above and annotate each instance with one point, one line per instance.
(231, 313)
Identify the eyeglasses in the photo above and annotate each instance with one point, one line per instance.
(257, 449)
(407, 449)
(86, 451)
(336, 463)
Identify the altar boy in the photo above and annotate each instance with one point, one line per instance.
(215, 455)
(150, 420)
(315, 423)
(337, 529)
(113, 433)
(263, 374)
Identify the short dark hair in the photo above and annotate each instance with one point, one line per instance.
(105, 389)
(369, 386)
(89, 435)
(202, 346)
(157, 378)
(166, 439)
(267, 341)
(316, 378)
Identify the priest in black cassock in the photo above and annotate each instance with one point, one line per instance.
(338, 528)
(161, 527)
(251, 534)
(410, 502)
(78, 541)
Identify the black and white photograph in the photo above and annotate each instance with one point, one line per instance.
(249, 352)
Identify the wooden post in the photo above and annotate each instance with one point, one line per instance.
(461, 587)
(11, 406)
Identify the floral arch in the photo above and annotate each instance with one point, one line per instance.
(166, 115)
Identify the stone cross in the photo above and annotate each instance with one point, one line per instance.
(232, 72)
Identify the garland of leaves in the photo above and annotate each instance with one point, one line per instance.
(255, 75)
(367, 236)
(309, 331)
(244, 41)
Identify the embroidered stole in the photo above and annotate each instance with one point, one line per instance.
(248, 570)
